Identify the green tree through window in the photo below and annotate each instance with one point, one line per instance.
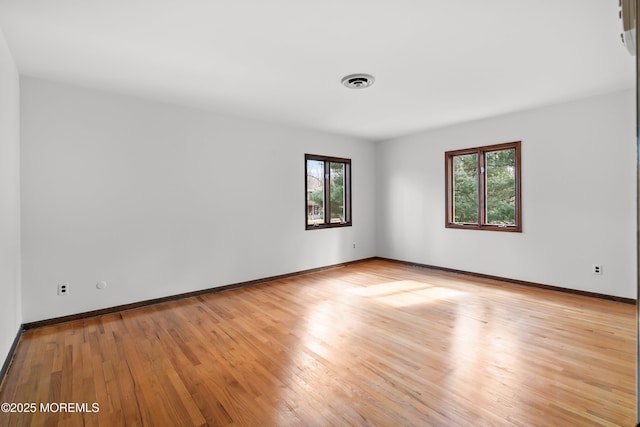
(466, 188)
(501, 188)
(337, 192)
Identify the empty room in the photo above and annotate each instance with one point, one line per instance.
(342, 213)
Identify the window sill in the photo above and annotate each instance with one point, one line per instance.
(333, 225)
(508, 229)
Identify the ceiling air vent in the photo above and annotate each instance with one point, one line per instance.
(358, 81)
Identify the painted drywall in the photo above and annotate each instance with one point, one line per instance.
(10, 304)
(578, 197)
(158, 200)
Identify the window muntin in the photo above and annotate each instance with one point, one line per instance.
(483, 188)
(328, 191)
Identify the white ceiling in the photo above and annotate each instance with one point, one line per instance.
(436, 62)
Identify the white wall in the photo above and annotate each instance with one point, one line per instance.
(158, 200)
(10, 305)
(578, 189)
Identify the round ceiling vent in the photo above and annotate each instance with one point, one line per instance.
(358, 81)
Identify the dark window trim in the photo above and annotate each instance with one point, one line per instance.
(327, 192)
(448, 159)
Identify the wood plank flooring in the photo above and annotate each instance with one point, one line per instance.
(375, 343)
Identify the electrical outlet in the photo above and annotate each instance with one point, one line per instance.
(597, 269)
(63, 288)
(354, 246)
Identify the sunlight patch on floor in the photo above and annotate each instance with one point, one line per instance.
(320, 323)
(388, 288)
(405, 293)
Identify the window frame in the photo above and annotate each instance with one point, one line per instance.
(327, 192)
(482, 185)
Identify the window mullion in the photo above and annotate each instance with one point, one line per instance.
(482, 189)
(327, 192)
(347, 192)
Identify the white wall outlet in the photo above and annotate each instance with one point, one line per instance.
(63, 288)
(354, 246)
(101, 285)
(597, 269)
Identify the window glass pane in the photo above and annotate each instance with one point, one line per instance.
(336, 185)
(465, 189)
(315, 192)
(501, 187)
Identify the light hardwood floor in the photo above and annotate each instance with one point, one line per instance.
(374, 343)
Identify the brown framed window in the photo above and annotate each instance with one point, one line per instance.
(327, 191)
(483, 188)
